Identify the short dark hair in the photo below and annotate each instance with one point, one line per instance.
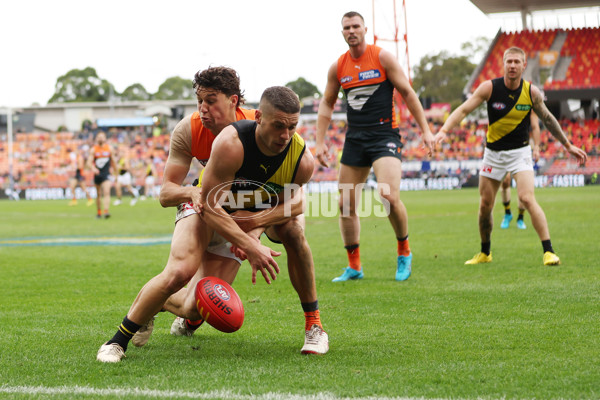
(222, 79)
(282, 99)
(351, 14)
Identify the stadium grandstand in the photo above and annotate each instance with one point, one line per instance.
(563, 61)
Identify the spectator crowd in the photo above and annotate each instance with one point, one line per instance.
(48, 159)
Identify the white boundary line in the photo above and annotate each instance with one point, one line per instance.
(214, 394)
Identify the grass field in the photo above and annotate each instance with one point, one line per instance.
(511, 329)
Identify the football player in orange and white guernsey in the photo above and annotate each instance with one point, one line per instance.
(368, 75)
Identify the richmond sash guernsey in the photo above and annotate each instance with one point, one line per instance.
(509, 113)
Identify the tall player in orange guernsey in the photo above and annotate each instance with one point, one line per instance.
(369, 75)
(101, 160)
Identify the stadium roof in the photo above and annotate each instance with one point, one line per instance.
(505, 6)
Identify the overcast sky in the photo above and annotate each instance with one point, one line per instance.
(269, 42)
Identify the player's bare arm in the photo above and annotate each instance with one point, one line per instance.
(536, 136)
(113, 164)
(226, 158)
(177, 167)
(481, 94)
(255, 223)
(290, 207)
(91, 165)
(553, 125)
(325, 112)
(396, 75)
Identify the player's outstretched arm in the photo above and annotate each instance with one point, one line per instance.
(553, 126)
(396, 75)
(481, 94)
(325, 113)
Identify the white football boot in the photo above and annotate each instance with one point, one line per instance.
(316, 341)
(110, 353)
(179, 328)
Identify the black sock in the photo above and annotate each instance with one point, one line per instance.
(309, 307)
(547, 245)
(507, 208)
(485, 247)
(351, 247)
(125, 332)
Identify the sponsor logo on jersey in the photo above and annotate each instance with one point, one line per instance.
(523, 107)
(371, 74)
(345, 79)
(498, 106)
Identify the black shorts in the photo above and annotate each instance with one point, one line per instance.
(100, 178)
(363, 148)
(78, 176)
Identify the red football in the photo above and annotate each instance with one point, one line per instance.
(219, 304)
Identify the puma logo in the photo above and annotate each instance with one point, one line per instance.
(511, 96)
(357, 66)
(265, 168)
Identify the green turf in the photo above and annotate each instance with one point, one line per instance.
(509, 329)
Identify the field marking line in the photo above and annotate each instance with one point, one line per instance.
(214, 394)
(88, 241)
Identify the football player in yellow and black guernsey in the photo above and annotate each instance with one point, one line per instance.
(260, 173)
(510, 100)
(250, 166)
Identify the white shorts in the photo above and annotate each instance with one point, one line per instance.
(124, 179)
(218, 244)
(496, 164)
(149, 181)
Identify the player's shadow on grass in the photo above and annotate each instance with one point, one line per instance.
(224, 346)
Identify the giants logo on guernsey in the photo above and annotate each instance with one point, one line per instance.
(101, 155)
